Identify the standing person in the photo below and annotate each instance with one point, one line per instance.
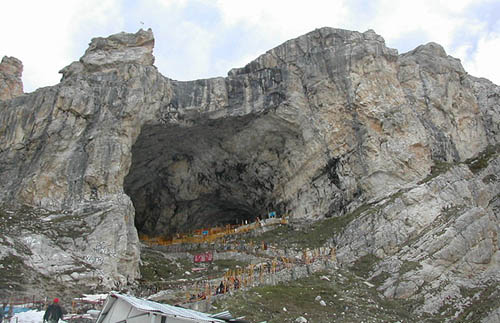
(2, 312)
(236, 283)
(53, 313)
(10, 314)
(221, 289)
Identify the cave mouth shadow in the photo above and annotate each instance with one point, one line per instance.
(213, 173)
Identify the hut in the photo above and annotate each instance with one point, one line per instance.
(129, 309)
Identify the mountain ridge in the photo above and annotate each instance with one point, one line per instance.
(316, 128)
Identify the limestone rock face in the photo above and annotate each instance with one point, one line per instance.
(11, 85)
(316, 127)
(70, 159)
(108, 53)
(435, 239)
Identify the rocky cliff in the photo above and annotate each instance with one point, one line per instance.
(11, 70)
(329, 124)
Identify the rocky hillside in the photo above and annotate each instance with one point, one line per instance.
(333, 124)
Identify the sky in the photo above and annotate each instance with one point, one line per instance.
(206, 38)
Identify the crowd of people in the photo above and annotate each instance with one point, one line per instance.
(259, 271)
(224, 287)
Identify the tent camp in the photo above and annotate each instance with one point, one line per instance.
(129, 309)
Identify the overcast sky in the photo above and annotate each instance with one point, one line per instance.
(206, 38)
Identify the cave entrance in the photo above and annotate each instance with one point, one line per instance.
(213, 173)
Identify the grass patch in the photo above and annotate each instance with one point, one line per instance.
(13, 273)
(475, 164)
(28, 218)
(347, 299)
(380, 279)
(314, 235)
(364, 265)
(281, 234)
(482, 160)
(437, 169)
(403, 309)
(298, 297)
(408, 266)
(155, 267)
(483, 301)
(230, 263)
(479, 303)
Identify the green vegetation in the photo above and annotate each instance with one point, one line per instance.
(380, 279)
(13, 269)
(483, 301)
(229, 264)
(475, 164)
(314, 235)
(481, 161)
(28, 218)
(477, 304)
(437, 169)
(364, 265)
(297, 297)
(408, 266)
(347, 299)
(156, 267)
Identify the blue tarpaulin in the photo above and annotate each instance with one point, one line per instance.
(16, 310)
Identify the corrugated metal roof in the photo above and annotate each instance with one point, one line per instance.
(223, 315)
(150, 306)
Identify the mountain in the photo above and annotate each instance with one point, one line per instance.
(332, 124)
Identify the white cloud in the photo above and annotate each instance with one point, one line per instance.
(48, 35)
(437, 19)
(34, 37)
(172, 3)
(183, 47)
(42, 34)
(282, 20)
(483, 62)
(191, 56)
(449, 23)
(265, 24)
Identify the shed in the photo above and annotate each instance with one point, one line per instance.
(129, 309)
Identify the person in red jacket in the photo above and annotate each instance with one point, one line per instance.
(53, 313)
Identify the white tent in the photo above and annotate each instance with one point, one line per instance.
(129, 309)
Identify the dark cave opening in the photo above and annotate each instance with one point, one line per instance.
(212, 173)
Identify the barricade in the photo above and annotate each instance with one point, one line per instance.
(263, 273)
(211, 234)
